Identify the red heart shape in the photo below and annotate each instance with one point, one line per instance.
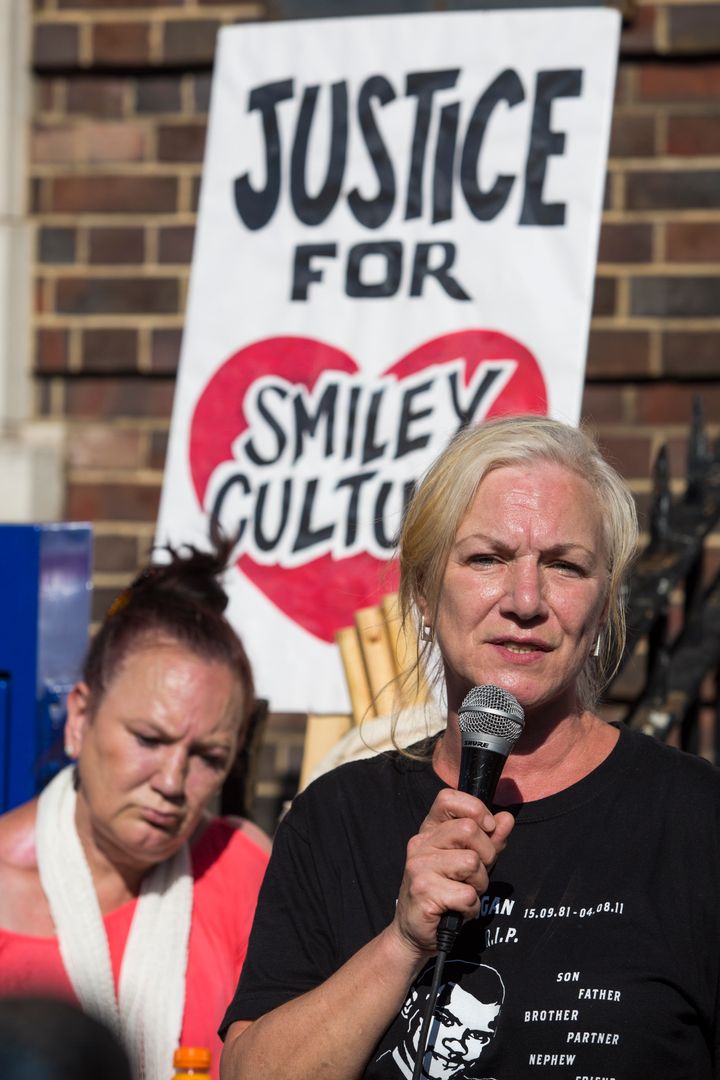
(323, 595)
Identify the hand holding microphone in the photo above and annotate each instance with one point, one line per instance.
(449, 859)
(491, 721)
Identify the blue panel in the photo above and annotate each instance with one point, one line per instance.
(45, 583)
(4, 735)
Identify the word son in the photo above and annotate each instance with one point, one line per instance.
(330, 470)
(454, 159)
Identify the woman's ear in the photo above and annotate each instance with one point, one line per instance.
(78, 716)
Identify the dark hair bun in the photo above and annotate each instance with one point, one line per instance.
(188, 572)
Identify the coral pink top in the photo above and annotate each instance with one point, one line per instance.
(227, 870)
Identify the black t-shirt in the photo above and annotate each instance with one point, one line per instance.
(596, 951)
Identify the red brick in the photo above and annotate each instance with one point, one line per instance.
(57, 246)
(601, 404)
(113, 194)
(693, 241)
(43, 395)
(51, 349)
(195, 193)
(44, 94)
(115, 553)
(693, 135)
(55, 143)
(96, 95)
(107, 5)
(691, 353)
(638, 33)
(113, 502)
(115, 142)
(617, 354)
(690, 297)
(175, 244)
(694, 28)
(625, 83)
(89, 143)
(181, 142)
(117, 296)
(158, 449)
(190, 41)
(104, 446)
(131, 397)
(113, 349)
(121, 44)
(668, 82)
(158, 94)
(116, 246)
(165, 350)
(201, 87)
(671, 403)
(665, 189)
(629, 454)
(620, 242)
(55, 45)
(604, 296)
(632, 136)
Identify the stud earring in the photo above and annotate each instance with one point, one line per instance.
(426, 631)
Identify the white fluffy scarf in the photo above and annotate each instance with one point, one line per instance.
(148, 1010)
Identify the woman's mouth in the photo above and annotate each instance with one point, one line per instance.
(168, 821)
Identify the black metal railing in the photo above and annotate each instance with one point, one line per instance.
(668, 580)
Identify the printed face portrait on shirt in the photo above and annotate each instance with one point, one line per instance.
(464, 1022)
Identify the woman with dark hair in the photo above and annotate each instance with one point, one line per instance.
(44, 1038)
(118, 888)
(591, 886)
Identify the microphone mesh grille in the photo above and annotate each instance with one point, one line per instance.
(491, 711)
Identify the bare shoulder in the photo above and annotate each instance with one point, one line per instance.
(17, 838)
(252, 831)
(23, 907)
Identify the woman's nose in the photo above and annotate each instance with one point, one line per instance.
(170, 777)
(524, 596)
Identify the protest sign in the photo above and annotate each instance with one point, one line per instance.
(396, 237)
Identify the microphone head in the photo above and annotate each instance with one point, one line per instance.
(491, 717)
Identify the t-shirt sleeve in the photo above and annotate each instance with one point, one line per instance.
(291, 948)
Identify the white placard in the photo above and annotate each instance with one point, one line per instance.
(397, 236)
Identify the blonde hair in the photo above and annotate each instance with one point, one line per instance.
(447, 490)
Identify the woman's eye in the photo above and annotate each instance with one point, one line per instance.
(213, 761)
(146, 740)
(483, 559)
(568, 568)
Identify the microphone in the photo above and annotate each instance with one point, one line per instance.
(491, 721)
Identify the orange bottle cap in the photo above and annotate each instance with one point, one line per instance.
(192, 1057)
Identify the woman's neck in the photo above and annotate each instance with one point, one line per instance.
(115, 880)
(547, 758)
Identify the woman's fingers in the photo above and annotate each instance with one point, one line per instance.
(448, 864)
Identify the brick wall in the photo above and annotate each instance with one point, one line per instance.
(120, 105)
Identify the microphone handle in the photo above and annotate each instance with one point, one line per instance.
(480, 770)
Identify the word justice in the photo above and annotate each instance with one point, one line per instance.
(455, 158)
(330, 470)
